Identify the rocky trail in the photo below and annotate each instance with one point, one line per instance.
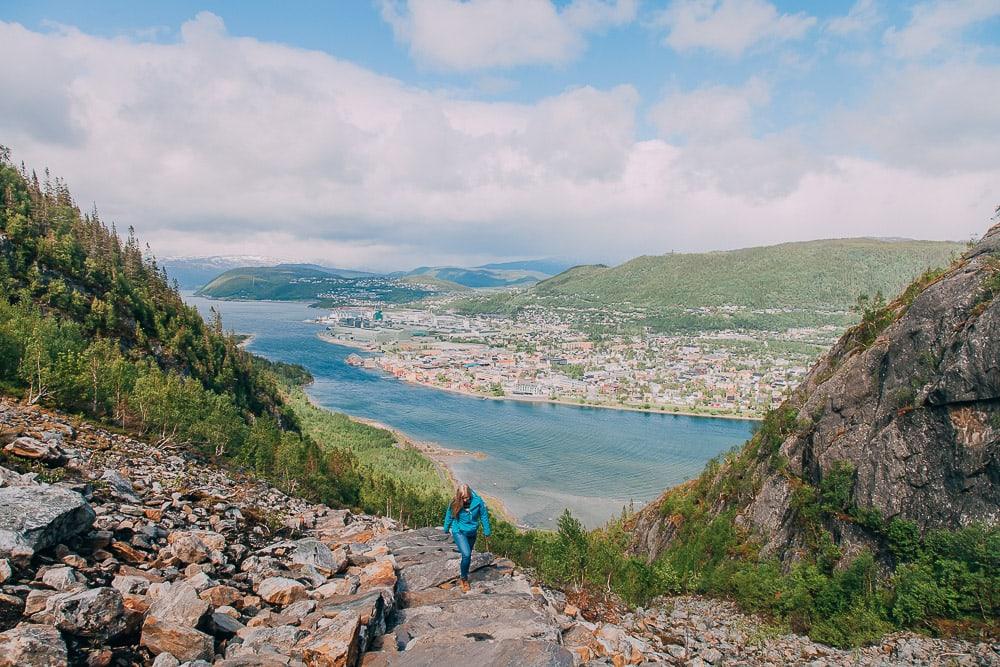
(117, 552)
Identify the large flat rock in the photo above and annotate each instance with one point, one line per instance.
(437, 571)
(33, 518)
(506, 653)
(473, 618)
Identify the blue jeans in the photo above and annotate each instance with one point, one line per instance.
(464, 542)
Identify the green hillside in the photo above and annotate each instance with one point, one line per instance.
(294, 282)
(673, 291)
(278, 283)
(439, 284)
(568, 277)
(89, 324)
(511, 274)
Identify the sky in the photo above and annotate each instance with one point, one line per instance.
(389, 134)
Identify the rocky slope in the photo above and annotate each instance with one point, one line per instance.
(131, 554)
(115, 552)
(913, 408)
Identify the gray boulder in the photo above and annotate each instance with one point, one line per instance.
(32, 646)
(10, 478)
(33, 518)
(505, 653)
(178, 603)
(96, 612)
(313, 552)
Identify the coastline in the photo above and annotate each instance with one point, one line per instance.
(540, 399)
(573, 404)
(246, 341)
(327, 338)
(440, 456)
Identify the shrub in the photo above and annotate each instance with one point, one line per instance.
(903, 538)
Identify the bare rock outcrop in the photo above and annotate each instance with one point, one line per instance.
(913, 407)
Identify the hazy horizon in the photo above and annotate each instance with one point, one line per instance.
(265, 261)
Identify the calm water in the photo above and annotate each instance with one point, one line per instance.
(540, 458)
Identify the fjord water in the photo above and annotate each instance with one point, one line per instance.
(540, 457)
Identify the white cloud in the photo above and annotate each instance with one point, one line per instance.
(939, 119)
(721, 149)
(862, 17)
(729, 26)
(481, 34)
(937, 24)
(219, 145)
(710, 112)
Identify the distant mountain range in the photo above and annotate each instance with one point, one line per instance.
(327, 287)
(193, 272)
(815, 276)
(508, 274)
(198, 272)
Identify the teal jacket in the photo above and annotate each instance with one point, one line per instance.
(468, 518)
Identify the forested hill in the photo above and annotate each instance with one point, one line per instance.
(826, 275)
(89, 324)
(299, 282)
(74, 291)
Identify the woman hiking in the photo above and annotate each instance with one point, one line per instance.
(463, 516)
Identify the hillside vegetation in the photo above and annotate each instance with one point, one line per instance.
(868, 500)
(815, 282)
(273, 283)
(296, 282)
(89, 324)
(425, 280)
(481, 277)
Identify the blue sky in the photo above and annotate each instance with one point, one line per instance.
(629, 54)
(398, 133)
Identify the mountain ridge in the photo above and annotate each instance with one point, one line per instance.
(672, 292)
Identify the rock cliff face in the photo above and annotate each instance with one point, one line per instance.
(910, 400)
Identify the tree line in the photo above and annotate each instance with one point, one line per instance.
(91, 324)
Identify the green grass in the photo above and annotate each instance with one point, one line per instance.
(393, 480)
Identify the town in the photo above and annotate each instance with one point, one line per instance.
(539, 356)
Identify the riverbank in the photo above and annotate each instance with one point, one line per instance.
(325, 337)
(441, 457)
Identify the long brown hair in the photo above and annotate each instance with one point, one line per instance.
(462, 494)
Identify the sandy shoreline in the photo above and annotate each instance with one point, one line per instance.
(441, 457)
(540, 399)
